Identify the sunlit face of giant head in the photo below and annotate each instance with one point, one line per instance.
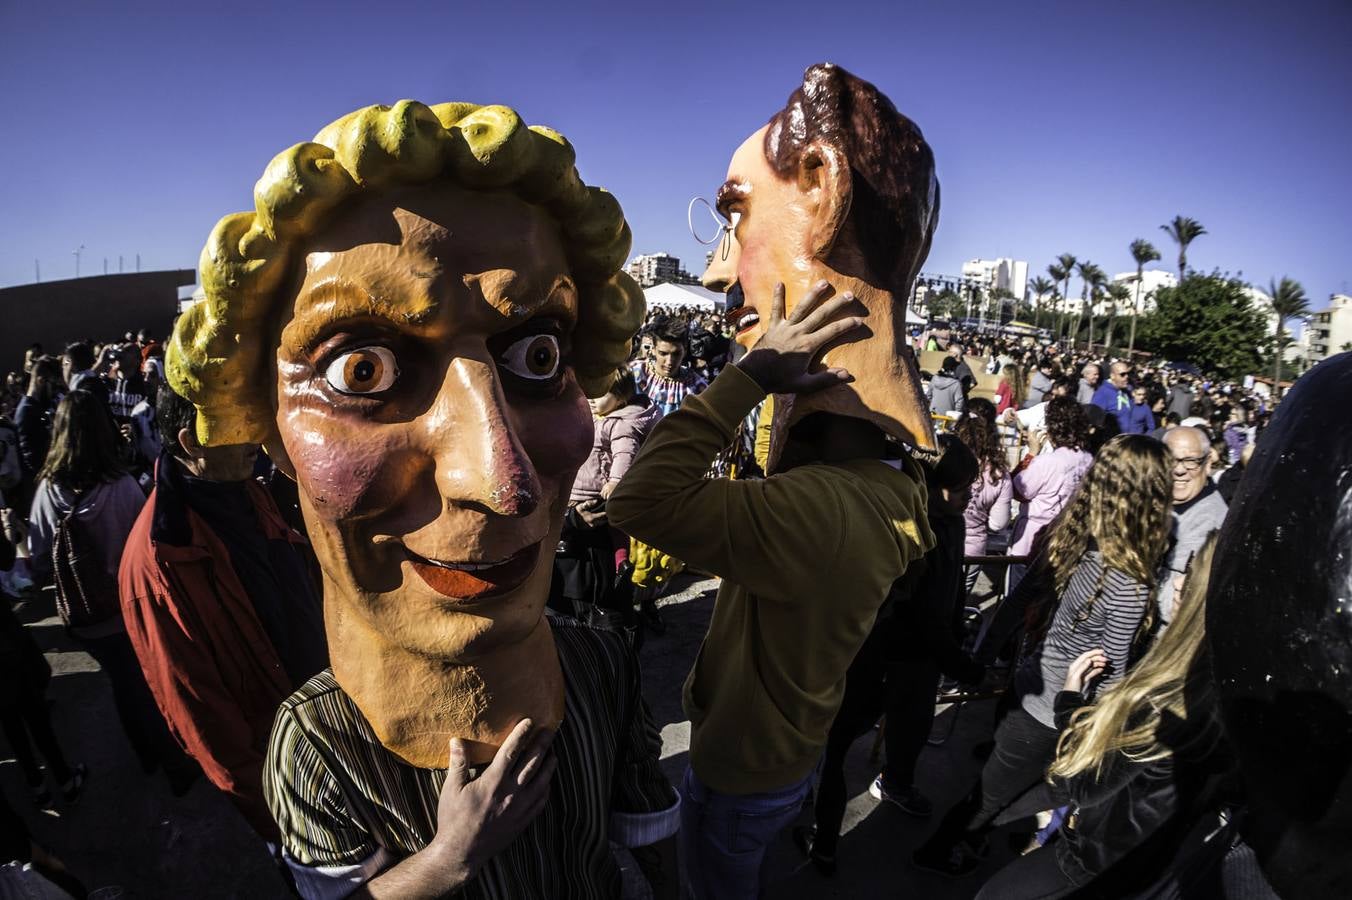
(838, 186)
(410, 323)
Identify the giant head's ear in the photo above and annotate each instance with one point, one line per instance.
(824, 175)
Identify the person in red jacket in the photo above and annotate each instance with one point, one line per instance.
(220, 600)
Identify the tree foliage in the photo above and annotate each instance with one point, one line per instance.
(1209, 321)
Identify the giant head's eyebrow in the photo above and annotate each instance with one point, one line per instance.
(338, 299)
(730, 190)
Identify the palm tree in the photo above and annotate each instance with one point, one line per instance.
(1183, 231)
(1066, 263)
(1143, 252)
(1056, 273)
(1088, 274)
(1040, 287)
(1097, 279)
(1288, 302)
(1117, 295)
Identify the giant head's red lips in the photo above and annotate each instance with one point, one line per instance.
(743, 318)
(471, 581)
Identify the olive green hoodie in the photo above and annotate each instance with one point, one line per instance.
(806, 556)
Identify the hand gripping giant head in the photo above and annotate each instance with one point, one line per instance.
(1279, 619)
(410, 322)
(838, 186)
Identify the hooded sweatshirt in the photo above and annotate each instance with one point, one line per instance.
(109, 509)
(617, 439)
(946, 395)
(807, 557)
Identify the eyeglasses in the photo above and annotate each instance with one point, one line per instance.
(722, 226)
(1190, 463)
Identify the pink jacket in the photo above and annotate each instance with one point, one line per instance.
(988, 510)
(1044, 488)
(617, 440)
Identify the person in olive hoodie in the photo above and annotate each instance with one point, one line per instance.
(807, 557)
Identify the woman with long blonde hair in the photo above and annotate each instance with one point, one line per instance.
(1119, 762)
(1011, 390)
(1099, 569)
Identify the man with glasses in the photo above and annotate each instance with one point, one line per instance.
(1114, 395)
(1199, 509)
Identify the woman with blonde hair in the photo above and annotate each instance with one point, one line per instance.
(1094, 585)
(1128, 766)
(1011, 391)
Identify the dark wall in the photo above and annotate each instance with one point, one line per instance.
(100, 308)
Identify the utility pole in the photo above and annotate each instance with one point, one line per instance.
(138, 262)
(77, 251)
(105, 265)
(37, 271)
(119, 264)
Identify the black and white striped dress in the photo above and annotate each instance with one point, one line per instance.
(348, 808)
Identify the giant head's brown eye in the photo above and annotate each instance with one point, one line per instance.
(536, 357)
(368, 370)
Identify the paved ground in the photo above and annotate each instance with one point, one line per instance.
(128, 831)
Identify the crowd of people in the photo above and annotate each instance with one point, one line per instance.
(1101, 511)
(312, 548)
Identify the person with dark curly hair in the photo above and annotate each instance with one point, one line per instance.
(1046, 484)
(992, 494)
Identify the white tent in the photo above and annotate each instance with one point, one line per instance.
(914, 318)
(683, 296)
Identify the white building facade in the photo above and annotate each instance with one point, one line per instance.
(1329, 330)
(649, 269)
(989, 274)
(1151, 281)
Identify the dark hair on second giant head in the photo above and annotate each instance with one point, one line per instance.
(895, 203)
(86, 447)
(1067, 425)
(173, 413)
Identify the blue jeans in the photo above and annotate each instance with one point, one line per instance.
(724, 836)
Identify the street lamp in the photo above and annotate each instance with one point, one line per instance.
(77, 251)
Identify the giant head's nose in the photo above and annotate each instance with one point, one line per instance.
(479, 459)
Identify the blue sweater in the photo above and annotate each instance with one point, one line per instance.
(1139, 419)
(1114, 402)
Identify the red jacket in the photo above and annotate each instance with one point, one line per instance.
(208, 661)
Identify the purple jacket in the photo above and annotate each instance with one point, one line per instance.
(1044, 488)
(988, 510)
(614, 446)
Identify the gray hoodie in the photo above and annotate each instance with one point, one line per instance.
(946, 395)
(109, 508)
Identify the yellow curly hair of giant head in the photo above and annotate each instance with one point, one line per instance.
(220, 354)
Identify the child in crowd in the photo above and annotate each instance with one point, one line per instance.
(591, 552)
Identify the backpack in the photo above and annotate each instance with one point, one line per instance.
(86, 593)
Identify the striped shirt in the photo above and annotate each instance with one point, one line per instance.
(348, 808)
(667, 394)
(1110, 622)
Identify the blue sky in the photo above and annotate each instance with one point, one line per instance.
(1058, 127)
